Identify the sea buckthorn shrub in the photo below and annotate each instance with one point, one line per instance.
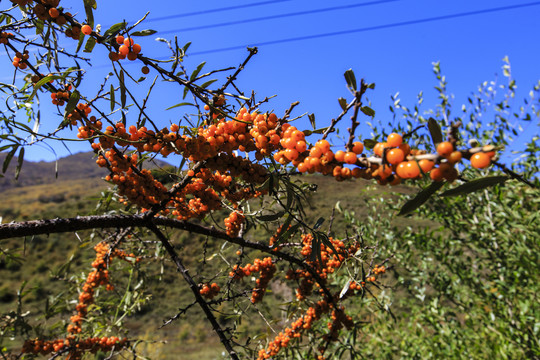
(236, 185)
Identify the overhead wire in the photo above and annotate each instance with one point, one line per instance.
(209, 11)
(279, 16)
(368, 28)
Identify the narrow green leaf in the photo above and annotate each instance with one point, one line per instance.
(290, 195)
(367, 111)
(113, 103)
(186, 89)
(72, 102)
(311, 118)
(475, 185)
(345, 289)
(178, 105)
(318, 131)
(435, 131)
(316, 250)
(122, 89)
(146, 32)
(90, 44)
(326, 241)
(208, 83)
(39, 26)
(113, 30)
(351, 80)
(318, 224)
(421, 198)
(197, 71)
(342, 103)
(19, 163)
(79, 74)
(42, 82)
(370, 143)
(271, 217)
(287, 234)
(8, 158)
(81, 41)
(90, 5)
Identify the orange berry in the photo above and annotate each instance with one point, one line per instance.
(412, 169)
(406, 148)
(86, 29)
(145, 70)
(358, 147)
(291, 154)
(123, 50)
(395, 156)
(340, 156)
(401, 170)
(315, 152)
(324, 145)
(301, 146)
(436, 174)
(379, 149)
(394, 140)
(346, 173)
(128, 42)
(426, 165)
(350, 157)
(445, 148)
(454, 157)
(480, 160)
(53, 12)
(136, 48)
(120, 40)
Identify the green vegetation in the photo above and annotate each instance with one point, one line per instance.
(461, 279)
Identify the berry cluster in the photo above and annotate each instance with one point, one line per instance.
(330, 262)
(19, 60)
(233, 223)
(274, 238)
(98, 277)
(128, 48)
(75, 348)
(4, 37)
(339, 320)
(296, 329)
(265, 267)
(209, 291)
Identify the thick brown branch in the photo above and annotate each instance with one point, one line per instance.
(40, 227)
(194, 288)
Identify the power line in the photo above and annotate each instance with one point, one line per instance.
(209, 11)
(369, 28)
(298, 13)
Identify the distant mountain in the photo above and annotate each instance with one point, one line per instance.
(77, 166)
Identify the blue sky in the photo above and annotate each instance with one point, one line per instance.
(390, 43)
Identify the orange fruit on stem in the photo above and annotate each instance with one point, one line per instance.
(480, 160)
(426, 165)
(358, 147)
(86, 29)
(394, 140)
(340, 156)
(395, 156)
(379, 149)
(445, 148)
(350, 157)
